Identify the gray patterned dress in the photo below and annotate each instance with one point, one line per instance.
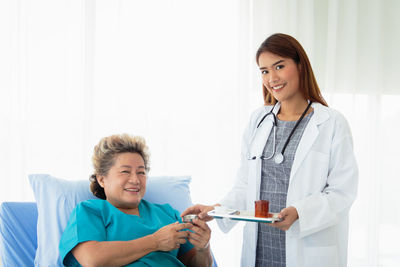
(271, 249)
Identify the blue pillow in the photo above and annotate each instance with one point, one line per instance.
(56, 198)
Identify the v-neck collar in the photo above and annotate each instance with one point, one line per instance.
(140, 208)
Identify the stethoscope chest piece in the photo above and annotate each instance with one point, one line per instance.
(278, 158)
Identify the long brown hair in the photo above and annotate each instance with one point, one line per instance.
(286, 46)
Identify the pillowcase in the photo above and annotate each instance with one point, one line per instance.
(56, 198)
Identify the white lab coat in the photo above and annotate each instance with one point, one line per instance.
(322, 187)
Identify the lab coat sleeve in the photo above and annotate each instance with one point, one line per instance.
(236, 198)
(323, 209)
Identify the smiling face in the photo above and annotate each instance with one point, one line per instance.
(280, 76)
(125, 183)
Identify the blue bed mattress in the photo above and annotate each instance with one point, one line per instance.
(18, 240)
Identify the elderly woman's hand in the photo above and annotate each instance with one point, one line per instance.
(171, 236)
(199, 235)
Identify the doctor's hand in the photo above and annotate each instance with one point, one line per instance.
(288, 215)
(200, 210)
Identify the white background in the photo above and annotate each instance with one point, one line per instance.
(182, 74)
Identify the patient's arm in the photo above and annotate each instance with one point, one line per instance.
(119, 253)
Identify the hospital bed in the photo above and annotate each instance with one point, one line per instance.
(19, 220)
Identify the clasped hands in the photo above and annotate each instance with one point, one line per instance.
(171, 236)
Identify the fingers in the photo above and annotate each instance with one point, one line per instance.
(284, 212)
(200, 234)
(198, 241)
(288, 218)
(200, 224)
(172, 236)
(283, 225)
(199, 244)
(179, 237)
(182, 234)
(180, 226)
(200, 228)
(182, 239)
(200, 210)
(197, 231)
(204, 214)
(276, 224)
(289, 212)
(192, 210)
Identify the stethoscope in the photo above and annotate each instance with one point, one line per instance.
(279, 158)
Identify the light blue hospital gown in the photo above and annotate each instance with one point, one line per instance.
(98, 220)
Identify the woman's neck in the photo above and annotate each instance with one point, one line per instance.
(292, 109)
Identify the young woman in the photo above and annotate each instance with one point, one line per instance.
(298, 154)
(122, 229)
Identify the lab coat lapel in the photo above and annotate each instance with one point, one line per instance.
(261, 134)
(309, 135)
(259, 140)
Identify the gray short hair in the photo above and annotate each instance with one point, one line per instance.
(107, 149)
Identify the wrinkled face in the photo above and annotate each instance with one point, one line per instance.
(125, 183)
(280, 76)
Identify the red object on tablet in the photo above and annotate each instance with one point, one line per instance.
(261, 208)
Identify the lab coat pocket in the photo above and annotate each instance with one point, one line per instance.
(319, 156)
(321, 256)
(317, 165)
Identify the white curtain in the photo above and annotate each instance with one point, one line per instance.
(73, 71)
(182, 74)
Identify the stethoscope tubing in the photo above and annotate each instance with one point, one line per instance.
(295, 127)
(280, 156)
(266, 115)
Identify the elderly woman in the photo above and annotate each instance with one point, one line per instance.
(122, 229)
